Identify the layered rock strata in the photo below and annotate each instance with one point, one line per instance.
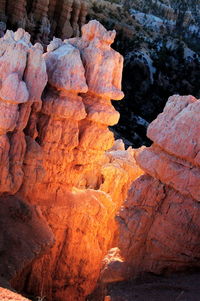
(85, 184)
(59, 156)
(44, 19)
(159, 223)
(23, 78)
(24, 233)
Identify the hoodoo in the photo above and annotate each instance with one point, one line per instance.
(60, 156)
(44, 19)
(159, 224)
(77, 209)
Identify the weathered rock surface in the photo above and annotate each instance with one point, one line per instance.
(73, 134)
(7, 295)
(24, 236)
(153, 70)
(44, 19)
(17, 62)
(159, 223)
(180, 286)
(58, 154)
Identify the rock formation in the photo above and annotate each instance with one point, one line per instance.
(73, 134)
(17, 14)
(159, 223)
(7, 295)
(24, 233)
(44, 19)
(63, 178)
(59, 156)
(23, 76)
(64, 26)
(3, 18)
(153, 69)
(24, 236)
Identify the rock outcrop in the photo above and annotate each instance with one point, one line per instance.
(58, 154)
(64, 178)
(159, 223)
(44, 19)
(160, 44)
(23, 78)
(83, 75)
(7, 295)
(24, 236)
(24, 233)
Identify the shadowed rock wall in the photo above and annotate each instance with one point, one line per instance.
(44, 19)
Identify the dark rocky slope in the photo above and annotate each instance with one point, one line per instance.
(160, 43)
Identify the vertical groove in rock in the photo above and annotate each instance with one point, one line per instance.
(44, 19)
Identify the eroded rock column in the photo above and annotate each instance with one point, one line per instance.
(17, 94)
(159, 223)
(73, 133)
(24, 233)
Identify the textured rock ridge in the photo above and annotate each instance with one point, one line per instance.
(85, 184)
(44, 19)
(24, 233)
(7, 295)
(23, 78)
(60, 156)
(159, 223)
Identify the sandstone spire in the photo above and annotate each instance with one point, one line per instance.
(75, 17)
(40, 9)
(159, 224)
(83, 13)
(44, 19)
(64, 26)
(72, 132)
(18, 16)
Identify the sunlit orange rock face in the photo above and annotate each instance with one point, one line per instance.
(7, 295)
(58, 154)
(159, 223)
(84, 185)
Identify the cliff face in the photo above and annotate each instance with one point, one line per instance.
(159, 223)
(63, 178)
(58, 155)
(44, 19)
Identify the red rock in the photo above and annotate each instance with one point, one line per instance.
(13, 90)
(35, 74)
(177, 173)
(62, 66)
(7, 295)
(66, 106)
(58, 155)
(159, 223)
(180, 116)
(100, 110)
(100, 81)
(24, 235)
